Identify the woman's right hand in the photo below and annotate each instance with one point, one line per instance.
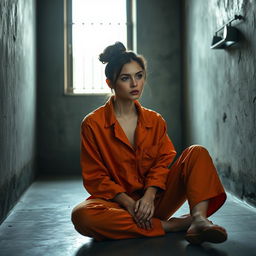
(131, 209)
(129, 204)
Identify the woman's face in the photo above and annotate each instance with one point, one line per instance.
(130, 82)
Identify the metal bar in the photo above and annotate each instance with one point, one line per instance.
(237, 17)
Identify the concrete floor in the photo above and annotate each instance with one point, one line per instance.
(40, 225)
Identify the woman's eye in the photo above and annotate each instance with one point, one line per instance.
(139, 76)
(124, 78)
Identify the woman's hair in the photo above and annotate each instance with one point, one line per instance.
(116, 56)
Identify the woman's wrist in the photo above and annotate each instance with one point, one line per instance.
(123, 199)
(151, 192)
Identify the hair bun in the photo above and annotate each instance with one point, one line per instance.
(112, 52)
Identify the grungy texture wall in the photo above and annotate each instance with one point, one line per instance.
(17, 100)
(220, 91)
(158, 34)
(59, 116)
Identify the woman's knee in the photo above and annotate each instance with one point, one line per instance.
(79, 214)
(83, 219)
(198, 149)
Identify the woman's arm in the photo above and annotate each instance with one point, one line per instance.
(158, 173)
(96, 178)
(124, 200)
(151, 192)
(127, 202)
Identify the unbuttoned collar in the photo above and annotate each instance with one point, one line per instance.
(110, 117)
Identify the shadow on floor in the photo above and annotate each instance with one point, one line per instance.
(40, 225)
(171, 244)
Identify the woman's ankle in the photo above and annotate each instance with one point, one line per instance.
(177, 224)
(169, 226)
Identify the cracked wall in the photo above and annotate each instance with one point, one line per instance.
(220, 90)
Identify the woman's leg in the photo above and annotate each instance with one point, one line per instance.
(192, 177)
(101, 219)
(201, 229)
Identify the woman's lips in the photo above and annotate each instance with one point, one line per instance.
(135, 92)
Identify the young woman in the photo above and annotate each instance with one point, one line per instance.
(127, 167)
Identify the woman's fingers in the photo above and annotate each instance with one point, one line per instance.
(144, 224)
(142, 210)
(139, 225)
(137, 221)
(145, 213)
(151, 214)
(148, 225)
(139, 210)
(137, 205)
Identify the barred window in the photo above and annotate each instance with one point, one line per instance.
(90, 26)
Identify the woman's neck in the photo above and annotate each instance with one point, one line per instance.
(124, 108)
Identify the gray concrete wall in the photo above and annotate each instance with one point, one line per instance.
(158, 34)
(220, 91)
(59, 116)
(17, 100)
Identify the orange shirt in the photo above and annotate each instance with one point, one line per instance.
(110, 164)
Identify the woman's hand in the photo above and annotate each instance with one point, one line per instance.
(141, 210)
(131, 209)
(144, 208)
(129, 204)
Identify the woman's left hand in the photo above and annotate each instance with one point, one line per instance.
(144, 207)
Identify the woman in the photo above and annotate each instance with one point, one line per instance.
(126, 158)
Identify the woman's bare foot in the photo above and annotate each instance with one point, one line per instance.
(177, 224)
(198, 223)
(201, 230)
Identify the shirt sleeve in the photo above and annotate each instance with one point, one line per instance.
(96, 178)
(157, 175)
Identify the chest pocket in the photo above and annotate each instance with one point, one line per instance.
(149, 158)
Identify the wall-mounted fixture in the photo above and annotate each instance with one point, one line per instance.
(229, 36)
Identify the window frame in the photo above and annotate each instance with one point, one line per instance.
(68, 53)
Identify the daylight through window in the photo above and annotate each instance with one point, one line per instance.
(95, 25)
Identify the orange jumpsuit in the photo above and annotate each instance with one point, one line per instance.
(110, 165)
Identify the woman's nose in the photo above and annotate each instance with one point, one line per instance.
(134, 82)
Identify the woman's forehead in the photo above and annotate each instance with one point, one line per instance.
(131, 68)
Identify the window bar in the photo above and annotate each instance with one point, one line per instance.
(83, 69)
(93, 87)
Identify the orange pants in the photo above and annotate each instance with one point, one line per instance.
(192, 177)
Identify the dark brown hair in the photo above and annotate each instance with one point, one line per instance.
(116, 56)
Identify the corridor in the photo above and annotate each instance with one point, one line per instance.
(51, 79)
